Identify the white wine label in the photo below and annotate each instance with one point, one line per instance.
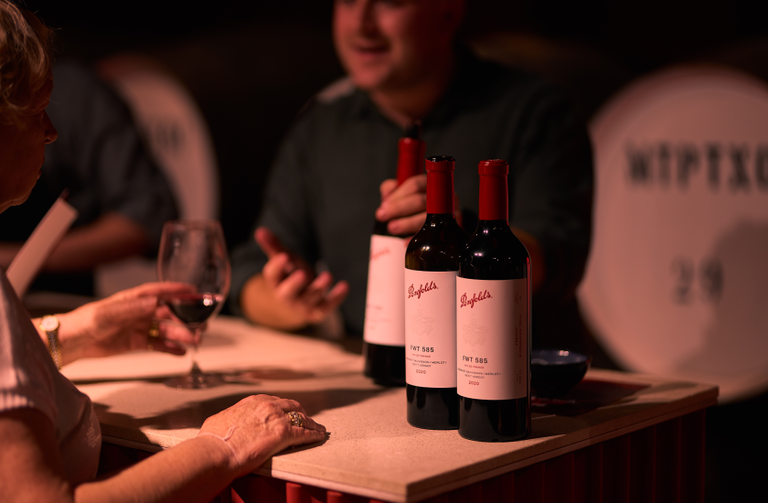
(430, 328)
(492, 333)
(384, 308)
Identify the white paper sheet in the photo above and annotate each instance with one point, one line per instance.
(27, 263)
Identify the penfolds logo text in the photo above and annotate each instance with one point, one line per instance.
(416, 292)
(466, 301)
(380, 252)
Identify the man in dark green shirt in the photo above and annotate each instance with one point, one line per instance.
(334, 171)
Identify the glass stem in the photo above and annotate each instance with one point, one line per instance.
(196, 375)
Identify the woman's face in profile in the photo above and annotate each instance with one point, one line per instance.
(22, 149)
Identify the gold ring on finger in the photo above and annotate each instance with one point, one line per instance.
(153, 335)
(296, 419)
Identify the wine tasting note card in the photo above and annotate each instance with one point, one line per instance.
(27, 263)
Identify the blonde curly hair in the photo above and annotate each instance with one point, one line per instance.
(26, 46)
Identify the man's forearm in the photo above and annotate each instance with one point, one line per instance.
(111, 237)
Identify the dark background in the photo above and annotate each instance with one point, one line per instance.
(252, 65)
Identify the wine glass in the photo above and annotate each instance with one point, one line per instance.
(194, 252)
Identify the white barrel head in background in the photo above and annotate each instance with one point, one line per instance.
(677, 280)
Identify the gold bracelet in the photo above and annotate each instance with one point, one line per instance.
(50, 325)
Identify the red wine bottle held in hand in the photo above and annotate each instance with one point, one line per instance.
(493, 313)
(431, 264)
(384, 328)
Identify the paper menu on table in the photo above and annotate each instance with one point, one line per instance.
(30, 258)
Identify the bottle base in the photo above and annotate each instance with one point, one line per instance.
(493, 439)
(494, 420)
(385, 365)
(432, 408)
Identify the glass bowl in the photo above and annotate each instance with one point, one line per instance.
(555, 372)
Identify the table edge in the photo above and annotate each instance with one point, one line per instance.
(412, 493)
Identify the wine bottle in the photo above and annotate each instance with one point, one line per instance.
(493, 313)
(431, 263)
(384, 328)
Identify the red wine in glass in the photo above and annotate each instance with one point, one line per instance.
(194, 252)
(193, 309)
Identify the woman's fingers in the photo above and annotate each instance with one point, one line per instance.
(156, 289)
(309, 423)
(305, 422)
(176, 333)
(165, 346)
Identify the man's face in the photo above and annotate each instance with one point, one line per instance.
(392, 44)
(22, 150)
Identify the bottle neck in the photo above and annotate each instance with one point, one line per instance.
(494, 198)
(439, 192)
(410, 158)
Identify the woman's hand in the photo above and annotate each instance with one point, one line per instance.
(122, 322)
(259, 426)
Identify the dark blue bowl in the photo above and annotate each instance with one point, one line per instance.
(555, 372)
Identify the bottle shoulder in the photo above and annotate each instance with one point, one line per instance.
(496, 238)
(437, 246)
(494, 252)
(443, 233)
